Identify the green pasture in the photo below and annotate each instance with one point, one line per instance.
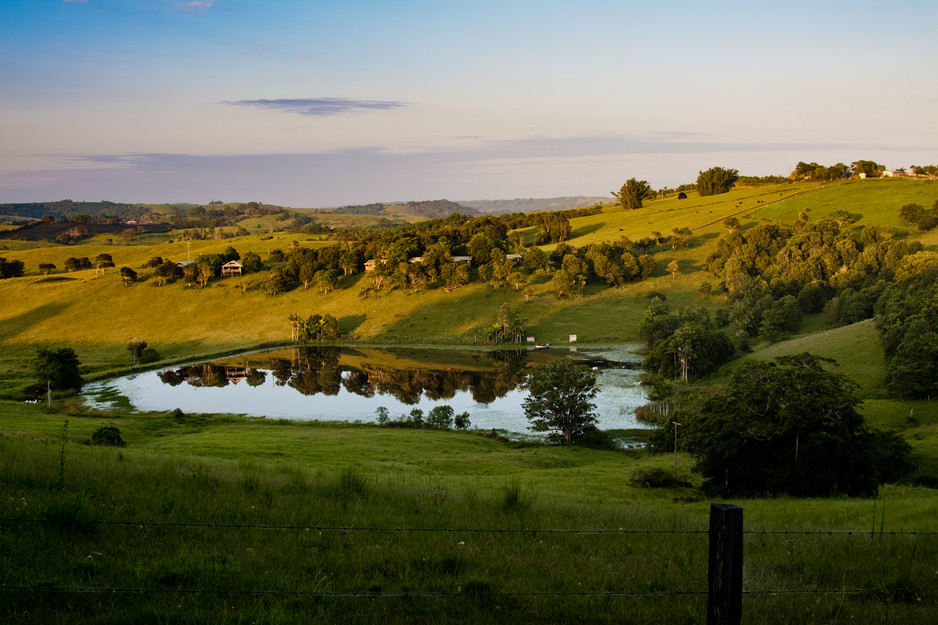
(215, 518)
(875, 201)
(857, 348)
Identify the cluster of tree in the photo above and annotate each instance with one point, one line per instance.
(612, 264)
(316, 327)
(759, 180)
(925, 170)
(439, 418)
(907, 315)
(716, 180)
(551, 228)
(141, 352)
(508, 327)
(360, 209)
(916, 215)
(77, 264)
(788, 427)
(774, 273)
(813, 171)
(534, 205)
(684, 345)
(439, 208)
(216, 216)
(95, 212)
(11, 268)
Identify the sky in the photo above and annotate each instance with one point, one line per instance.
(309, 103)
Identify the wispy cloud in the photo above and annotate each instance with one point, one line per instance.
(197, 5)
(320, 106)
(77, 1)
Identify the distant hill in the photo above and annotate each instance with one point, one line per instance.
(429, 209)
(69, 231)
(534, 205)
(62, 209)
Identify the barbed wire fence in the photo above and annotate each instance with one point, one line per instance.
(724, 590)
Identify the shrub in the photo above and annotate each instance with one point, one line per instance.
(108, 435)
(659, 478)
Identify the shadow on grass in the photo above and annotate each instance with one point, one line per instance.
(584, 230)
(349, 323)
(13, 326)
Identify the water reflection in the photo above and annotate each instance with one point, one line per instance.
(349, 384)
(319, 370)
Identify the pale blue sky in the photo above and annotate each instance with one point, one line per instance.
(309, 104)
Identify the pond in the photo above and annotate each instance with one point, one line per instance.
(350, 383)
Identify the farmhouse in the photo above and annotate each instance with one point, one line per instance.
(515, 259)
(231, 268)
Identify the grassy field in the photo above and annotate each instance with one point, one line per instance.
(874, 201)
(225, 519)
(222, 519)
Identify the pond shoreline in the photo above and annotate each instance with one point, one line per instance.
(348, 382)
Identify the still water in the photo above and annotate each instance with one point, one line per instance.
(350, 383)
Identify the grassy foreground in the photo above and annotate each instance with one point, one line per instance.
(221, 519)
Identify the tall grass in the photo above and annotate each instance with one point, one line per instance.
(156, 536)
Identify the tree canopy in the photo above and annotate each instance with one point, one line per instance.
(792, 427)
(559, 400)
(58, 367)
(632, 193)
(716, 180)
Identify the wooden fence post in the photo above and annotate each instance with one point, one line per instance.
(725, 578)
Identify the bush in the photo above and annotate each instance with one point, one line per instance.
(594, 438)
(659, 478)
(149, 355)
(108, 435)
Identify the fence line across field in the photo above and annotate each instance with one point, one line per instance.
(724, 579)
(456, 530)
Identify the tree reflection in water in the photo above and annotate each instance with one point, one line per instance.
(315, 370)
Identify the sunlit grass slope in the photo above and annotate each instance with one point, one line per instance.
(98, 315)
(875, 201)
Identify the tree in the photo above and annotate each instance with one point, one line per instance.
(136, 348)
(632, 193)
(441, 418)
(128, 275)
(58, 368)
(102, 262)
(673, 268)
(870, 168)
(716, 180)
(46, 268)
(680, 237)
(789, 427)
(251, 263)
(559, 400)
(73, 264)
(912, 213)
(167, 271)
(11, 268)
(327, 280)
